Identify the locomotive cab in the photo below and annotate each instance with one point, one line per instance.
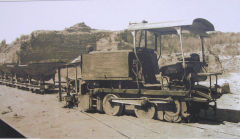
(145, 65)
(188, 70)
(193, 66)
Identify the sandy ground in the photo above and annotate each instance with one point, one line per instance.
(36, 115)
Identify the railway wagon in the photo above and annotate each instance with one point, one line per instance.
(11, 73)
(112, 80)
(41, 72)
(32, 76)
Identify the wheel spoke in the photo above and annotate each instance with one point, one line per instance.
(184, 109)
(172, 113)
(111, 108)
(146, 112)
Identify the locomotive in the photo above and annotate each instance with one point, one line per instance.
(109, 81)
(112, 81)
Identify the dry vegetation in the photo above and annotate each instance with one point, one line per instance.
(67, 44)
(218, 43)
(54, 45)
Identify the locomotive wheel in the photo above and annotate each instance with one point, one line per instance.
(160, 115)
(147, 111)
(111, 108)
(184, 109)
(172, 112)
(174, 119)
(160, 111)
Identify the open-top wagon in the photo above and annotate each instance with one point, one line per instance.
(12, 73)
(41, 72)
(32, 76)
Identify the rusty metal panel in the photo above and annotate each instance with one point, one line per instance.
(105, 65)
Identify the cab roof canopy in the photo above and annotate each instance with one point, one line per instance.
(197, 26)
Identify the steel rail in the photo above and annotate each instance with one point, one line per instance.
(107, 125)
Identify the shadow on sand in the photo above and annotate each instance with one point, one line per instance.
(228, 115)
(221, 116)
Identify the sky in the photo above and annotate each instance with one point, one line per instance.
(18, 18)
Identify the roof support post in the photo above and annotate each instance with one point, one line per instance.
(156, 38)
(59, 85)
(203, 55)
(134, 45)
(160, 45)
(140, 39)
(67, 71)
(76, 83)
(145, 38)
(134, 40)
(179, 31)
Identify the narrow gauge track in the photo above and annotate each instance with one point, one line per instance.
(156, 132)
(107, 125)
(152, 130)
(123, 134)
(189, 125)
(217, 131)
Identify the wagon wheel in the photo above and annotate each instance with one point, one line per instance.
(147, 111)
(111, 108)
(172, 112)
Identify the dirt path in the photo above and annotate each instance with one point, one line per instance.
(42, 116)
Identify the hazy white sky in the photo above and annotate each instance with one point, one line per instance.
(17, 18)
